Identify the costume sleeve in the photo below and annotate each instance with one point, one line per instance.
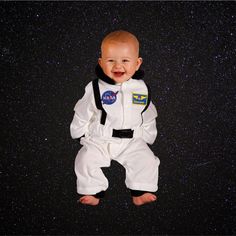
(84, 110)
(149, 130)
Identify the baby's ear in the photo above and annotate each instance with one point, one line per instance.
(100, 61)
(139, 62)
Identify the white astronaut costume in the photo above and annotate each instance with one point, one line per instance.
(115, 122)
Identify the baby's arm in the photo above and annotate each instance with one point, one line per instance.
(149, 130)
(84, 110)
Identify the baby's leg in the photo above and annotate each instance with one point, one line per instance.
(141, 171)
(90, 178)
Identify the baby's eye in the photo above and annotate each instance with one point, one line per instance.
(125, 60)
(110, 60)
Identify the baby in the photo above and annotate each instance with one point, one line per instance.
(115, 119)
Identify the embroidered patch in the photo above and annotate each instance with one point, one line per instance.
(109, 97)
(140, 99)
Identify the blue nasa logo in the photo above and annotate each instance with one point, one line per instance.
(109, 97)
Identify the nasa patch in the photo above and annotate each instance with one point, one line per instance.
(140, 99)
(109, 97)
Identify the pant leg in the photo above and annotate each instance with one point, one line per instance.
(141, 166)
(88, 163)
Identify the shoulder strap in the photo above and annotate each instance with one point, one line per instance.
(149, 99)
(98, 102)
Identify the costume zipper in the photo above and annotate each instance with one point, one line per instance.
(123, 109)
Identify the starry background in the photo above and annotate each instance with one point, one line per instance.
(48, 54)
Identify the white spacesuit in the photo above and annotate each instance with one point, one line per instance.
(115, 122)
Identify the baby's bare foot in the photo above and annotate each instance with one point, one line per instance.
(143, 199)
(89, 200)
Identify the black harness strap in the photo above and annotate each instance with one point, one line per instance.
(149, 99)
(98, 102)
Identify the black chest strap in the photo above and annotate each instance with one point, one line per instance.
(98, 102)
(148, 101)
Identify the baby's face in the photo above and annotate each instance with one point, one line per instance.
(119, 60)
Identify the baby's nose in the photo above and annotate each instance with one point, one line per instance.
(117, 65)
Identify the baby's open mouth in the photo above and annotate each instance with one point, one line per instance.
(118, 74)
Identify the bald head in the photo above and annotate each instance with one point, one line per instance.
(120, 56)
(121, 36)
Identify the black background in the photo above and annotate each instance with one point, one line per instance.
(48, 54)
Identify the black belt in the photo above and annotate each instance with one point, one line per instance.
(122, 133)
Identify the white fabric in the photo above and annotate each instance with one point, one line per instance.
(138, 160)
(122, 114)
(99, 147)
